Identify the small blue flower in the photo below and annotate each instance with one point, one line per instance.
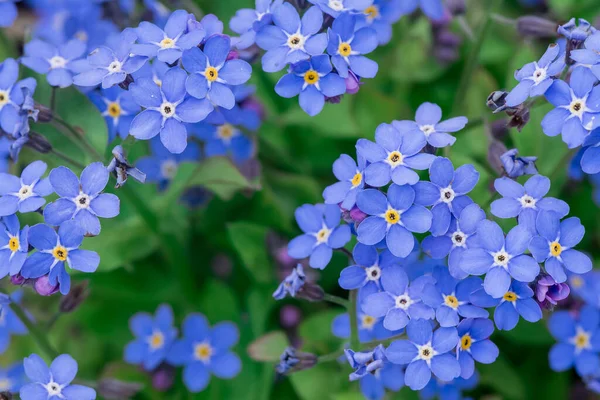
(81, 199)
(8, 13)
(292, 283)
(425, 352)
(461, 235)
(12, 378)
(368, 267)
(515, 166)
(56, 249)
(474, 345)
(335, 8)
(398, 302)
(167, 45)
(590, 153)
(576, 32)
(118, 109)
(450, 298)
(25, 194)
(53, 382)
(517, 301)
(292, 360)
(393, 218)
(121, 168)
(14, 246)
(347, 46)
(577, 107)
(11, 97)
(446, 192)
(427, 123)
(204, 350)
(535, 78)
(225, 140)
(390, 377)
(437, 389)
(350, 183)
(167, 108)
(110, 65)
(555, 243)
(59, 63)
(578, 341)
(380, 16)
(246, 22)
(588, 56)
(322, 234)
(211, 74)
(365, 362)
(433, 9)
(291, 40)
(500, 258)
(10, 324)
(394, 156)
(154, 337)
(313, 80)
(586, 287)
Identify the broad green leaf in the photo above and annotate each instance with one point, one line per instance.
(218, 302)
(269, 347)
(320, 382)
(249, 240)
(530, 334)
(503, 377)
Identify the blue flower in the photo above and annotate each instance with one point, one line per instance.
(167, 45)
(167, 108)
(390, 377)
(246, 22)
(446, 192)
(204, 350)
(225, 139)
(586, 287)
(535, 78)
(588, 57)
(291, 40)
(11, 96)
(500, 259)
(10, 323)
(519, 200)
(14, 246)
(322, 234)
(8, 13)
(12, 378)
(118, 109)
(161, 167)
(347, 46)
(154, 337)
(292, 283)
(515, 166)
(398, 302)
(59, 63)
(577, 107)
(433, 9)
(313, 81)
(27, 193)
(121, 168)
(437, 389)
(428, 124)
(380, 16)
(56, 249)
(461, 235)
(578, 339)
(368, 267)
(392, 218)
(335, 8)
(53, 382)
(576, 32)
(394, 156)
(590, 153)
(425, 352)
(517, 301)
(474, 345)
(365, 362)
(450, 298)
(81, 199)
(292, 360)
(555, 243)
(350, 183)
(110, 65)
(211, 73)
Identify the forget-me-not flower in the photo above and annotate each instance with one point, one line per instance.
(291, 284)
(516, 166)
(11, 97)
(14, 245)
(368, 267)
(12, 378)
(380, 16)
(225, 140)
(58, 63)
(351, 181)
(390, 377)
(589, 155)
(25, 194)
(336, 8)
(8, 12)
(365, 362)
(474, 345)
(433, 9)
(118, 109)
(246, 21)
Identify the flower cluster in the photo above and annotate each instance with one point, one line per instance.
(202, 350)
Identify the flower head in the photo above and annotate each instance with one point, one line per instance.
(11, 97)
(367, 270)
(577, 32)
(24, 194)
(14, 246)
(12, 378)
(548, 293)
(292, 360)
(515, 166)
(589, 155)
(121, 168)
(246, 22)
(365, 362)
(8, 13)
(474, 345)
(380, 16)
(433, 9)
(118, 109)
(58, 63)
(351, 182)
(292, 283)
(225, 139)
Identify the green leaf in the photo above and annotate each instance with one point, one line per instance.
(269, 347)
(218, 302)
(503, 377)
(530, 334)
(317, 327)
(320, 382)
(249, 240)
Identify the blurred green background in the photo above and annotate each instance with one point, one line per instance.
(215, 259)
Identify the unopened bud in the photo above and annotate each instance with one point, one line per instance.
(537, 27)
(496, 101)
(311, 292)
(76, 296)
(352, 83)
(292, 361)
(163, 377)
(6, 396)
(499, 129)
(114, 389)
(45, 114)
(39, 143)
(495, 151)
(17, 279)
(456, 7)
(233, 55)
(519, 117)
(43, 287)
(290, 316)
(222, 266)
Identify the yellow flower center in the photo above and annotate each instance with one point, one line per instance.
(4, 98)
(311, 77)
(581, 339)
(114, 110)
(60, 253)
(392, 217)
(510, 296)
(576, 281)
(466, 342)
(323, 235)
(357, 179)
(13, 244)
(211, 74)
(157, 340)
(555, 249)
(368, 322)
(203, 351)
(372, 12)
(345, 49)
(225, 131)
(451, 301)
(395, 158)
(5, 384)
(426, 352)
(167, 43)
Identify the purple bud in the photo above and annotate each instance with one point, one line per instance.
(43, 286)
(115, 389)
(537, 27)
(128, 81)
(222, 266)
(163, 377)
(548, 293)
(74, 298)
(357, 215)
(311, 292)
(283, 258)
(495, 151)
(290, 316)
(499, 129)
(456, 7)
(352, 83)
(233, 55)
(44, 114)
(17, 280)
(519, 117)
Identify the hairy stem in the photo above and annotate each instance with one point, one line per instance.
(38, 334)
(67, 159)
(331, 356)
(336, 300)
(354, 341)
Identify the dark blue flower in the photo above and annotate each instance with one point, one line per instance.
(154, 337)
(433, 9)
(335, 8)
(81, 199)
(427, 123)
(14, 246)
(54, 382)
(365, 362)
(474, 345)
(58, 63)
(118, 109)
(12, 378)
(8, 12)
(446, 192)
(246, 22)
(322, 234)
(350, 183)
(291, 284)
(555, 243)
(425, 352)
(291, 40)
(25, 194)
(515, 166)
(204, 350)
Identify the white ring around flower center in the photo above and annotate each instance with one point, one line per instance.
(527, 201)
(115, 66)
(323, 235)
(577, 107)
(54, 389)
(539, 75)
(447, 195)
(403, 301)
(459, 239)
(296, 41)
(167, 109)
(427, 129)
(82, 201)
(373, 273)
(57, 62)
(336, 5)
(25, 192)
(4, 98)
(501, 258)
(426, 352)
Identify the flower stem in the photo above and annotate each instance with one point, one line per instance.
(331, 356)
(384, 342)
(37, 333)
(80, 139)
(336, 300)
(354, 341)
(67, 159)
